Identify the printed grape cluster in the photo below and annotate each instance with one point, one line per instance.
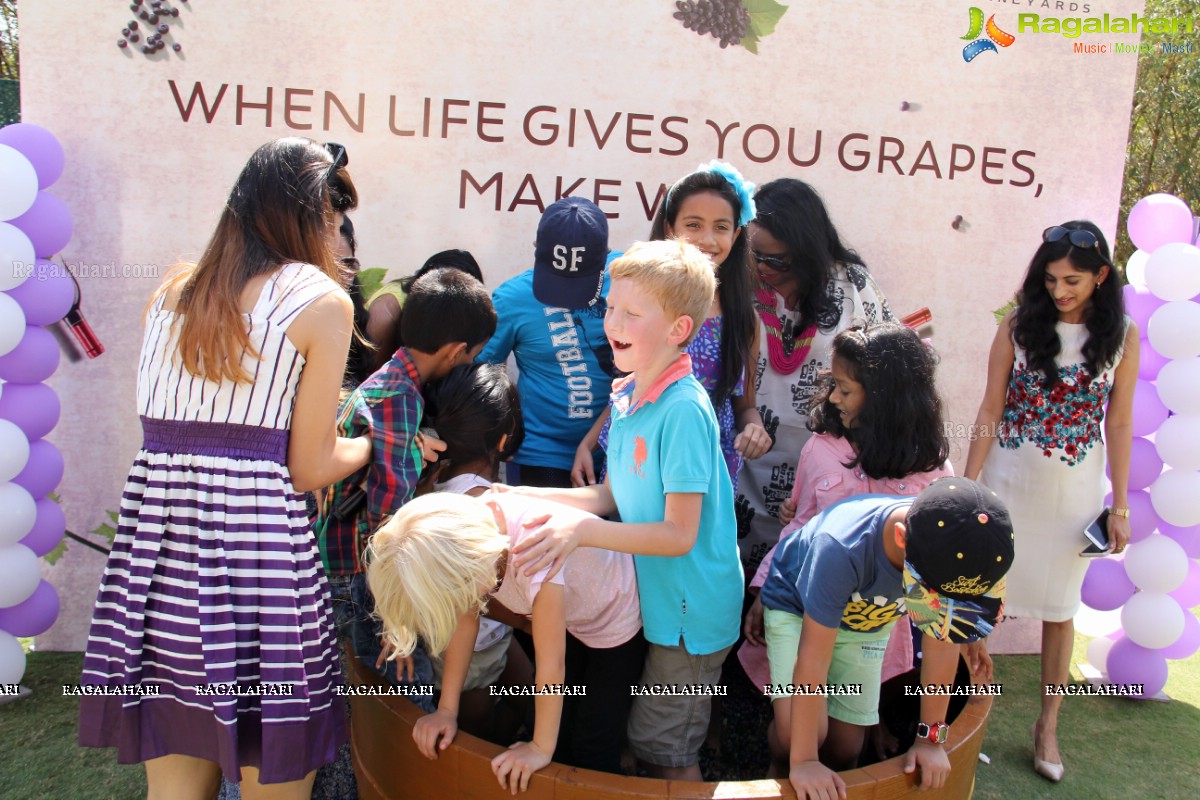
(724, 20)
(153, 16)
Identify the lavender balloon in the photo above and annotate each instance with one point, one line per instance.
(33, 360)
(43, 471)
(1106, 586)
(1188, 642)
(39, 146)
(48, 528)
(1129, 663)
(1188, 593)
(47, 223)
(47, 295)
(33, 407)
(1187, 537)
(35, 615)
(1140, 304)
(1144, 464)
(1150, 361)
(1148, 410)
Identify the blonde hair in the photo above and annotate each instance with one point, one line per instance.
(431, 563)
(674, 273)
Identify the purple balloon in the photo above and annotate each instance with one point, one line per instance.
(33, 360)
(1106, 586)
(1149, 412)
(39, 146)
(43, 471)
(48, 528)
(35, 615)
(1142, 519)
(1130, 663)
(32, 407)
(1188, 592)
(47, 295)
(1188, 538)
(1188, 642)
(1145, 465)
(47, 223)
(1140, 304)
(1150, 361)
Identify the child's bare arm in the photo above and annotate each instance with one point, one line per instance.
(514, 767)
(814, 654)
(674, 536)
(443, 724)
(939, 662)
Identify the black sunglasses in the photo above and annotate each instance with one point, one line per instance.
(340, 158)
(1079, 238)
(777, 263)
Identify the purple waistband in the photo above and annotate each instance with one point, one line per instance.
(215, 439)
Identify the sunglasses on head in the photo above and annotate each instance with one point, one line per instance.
(777, 263)
(1078, 238)
(340, 158)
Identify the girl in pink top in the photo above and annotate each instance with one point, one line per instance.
(878, 425)
(433, 567)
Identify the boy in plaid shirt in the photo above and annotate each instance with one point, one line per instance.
(447, 318)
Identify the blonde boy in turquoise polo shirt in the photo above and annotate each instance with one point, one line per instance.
(667, 480)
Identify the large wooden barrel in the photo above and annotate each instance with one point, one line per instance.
(388, 765)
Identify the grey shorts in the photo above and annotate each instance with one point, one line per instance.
(668, 730)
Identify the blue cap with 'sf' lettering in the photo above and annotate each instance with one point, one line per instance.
(570, 253)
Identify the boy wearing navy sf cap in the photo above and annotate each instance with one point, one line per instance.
(835, 588)
(552, 321)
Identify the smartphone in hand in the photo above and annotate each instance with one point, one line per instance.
(1097, 536)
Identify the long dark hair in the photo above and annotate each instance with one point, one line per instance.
(472, 409)
(734, 286)
(279, 211)
(1034, 324)
(794, 213)
(899, 429)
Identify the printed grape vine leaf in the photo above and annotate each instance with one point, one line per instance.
(105, 530)
(764, 16)
(370, 280)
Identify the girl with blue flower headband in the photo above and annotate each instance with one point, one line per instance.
(710, 209)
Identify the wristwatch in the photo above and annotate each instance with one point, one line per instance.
(1119, 512)
(935, 733)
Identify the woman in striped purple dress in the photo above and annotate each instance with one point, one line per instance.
(213, 604)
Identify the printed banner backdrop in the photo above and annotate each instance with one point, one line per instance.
(463, 120)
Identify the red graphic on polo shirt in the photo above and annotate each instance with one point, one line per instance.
(640, 454)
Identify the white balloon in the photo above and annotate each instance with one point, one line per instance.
(1178, 442)
(1173, 271)
(18, 512)
(14, 452)
(1156, 564)
(1172, 329)
(1097, 653)
(20, 182)
(19, 574)
(1178, 385)
(1091, 622)
(1176, 497)
(1135, 269)
(12, 322)
(16, 256)
(1152, 619)
(12, 659)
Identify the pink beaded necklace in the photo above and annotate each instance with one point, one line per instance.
(785, 352)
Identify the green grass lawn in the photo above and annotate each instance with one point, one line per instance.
(1111, 747)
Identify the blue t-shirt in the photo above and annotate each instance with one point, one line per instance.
(669, 443)
(561, 383)
(836, 570)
